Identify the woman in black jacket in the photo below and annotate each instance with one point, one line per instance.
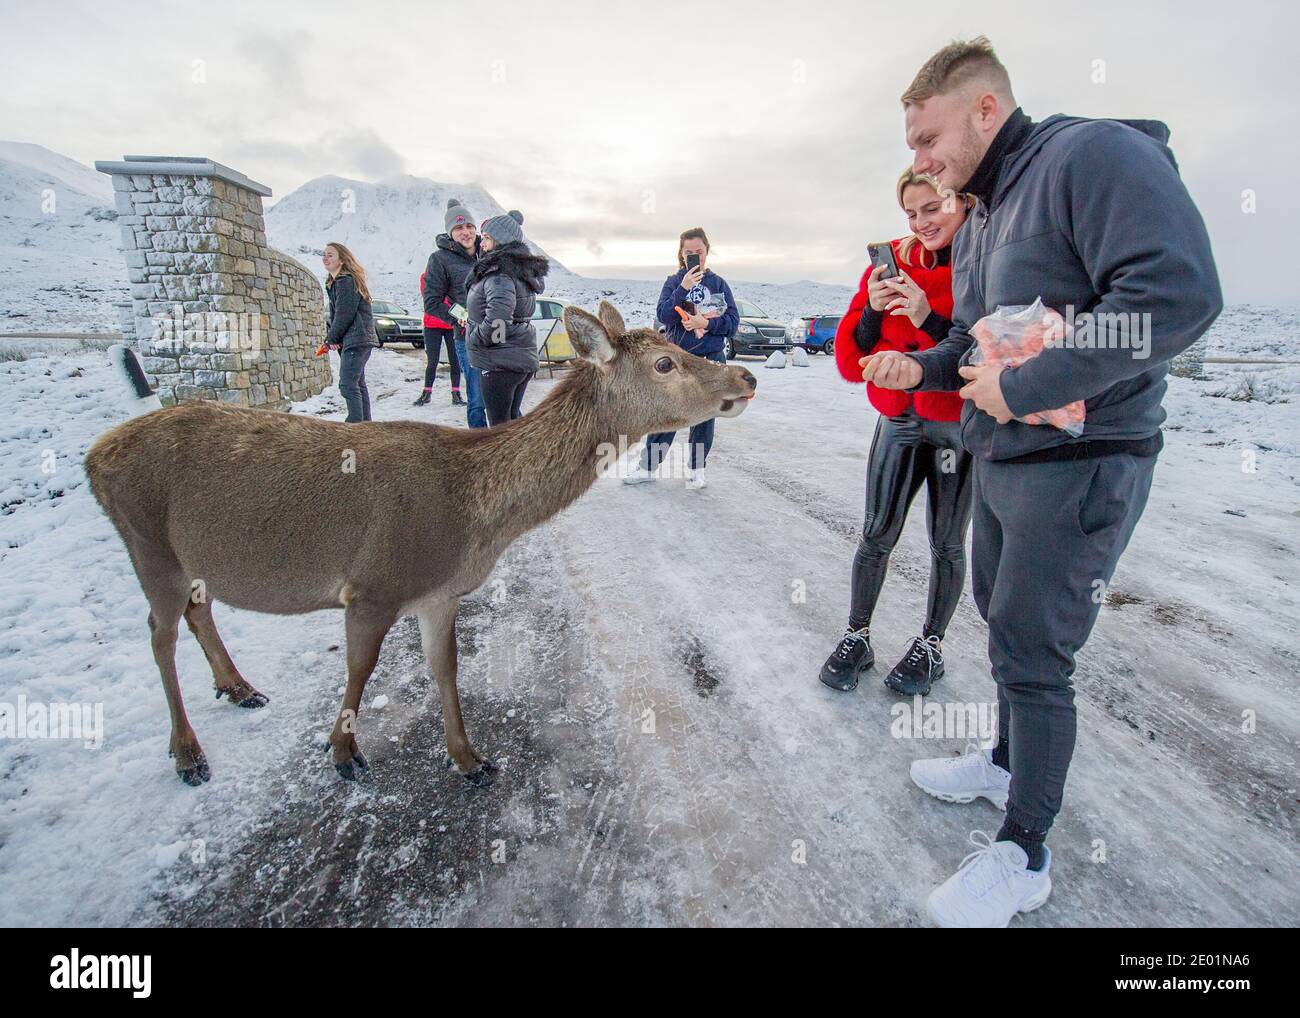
(351, 327)
(503, 289)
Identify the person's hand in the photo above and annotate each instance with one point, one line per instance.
(911, 300)
(696, 322)
(984, 388)
(880, 291)
(890, 369)
(336, 347)
(693, 277)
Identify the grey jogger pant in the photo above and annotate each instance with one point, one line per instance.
(1046, 539)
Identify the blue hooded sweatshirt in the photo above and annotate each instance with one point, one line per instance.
(711, 285)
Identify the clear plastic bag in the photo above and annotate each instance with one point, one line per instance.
(1013, 335)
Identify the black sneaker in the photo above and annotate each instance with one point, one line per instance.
(424, 398)
(455, 398)
(849, 660)
(920, 668)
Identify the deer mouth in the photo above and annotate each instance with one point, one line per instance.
(734, 407)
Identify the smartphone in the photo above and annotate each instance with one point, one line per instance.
(883, 254)
(692, 262)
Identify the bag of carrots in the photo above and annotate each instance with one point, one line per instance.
(1011, 336)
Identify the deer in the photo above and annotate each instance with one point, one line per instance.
(284, 513)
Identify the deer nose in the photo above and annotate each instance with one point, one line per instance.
(750, 380)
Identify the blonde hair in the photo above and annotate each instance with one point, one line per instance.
(352, 267)
(957, 65)
(911, 242)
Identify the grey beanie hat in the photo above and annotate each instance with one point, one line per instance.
(507, 228)
(457, 215)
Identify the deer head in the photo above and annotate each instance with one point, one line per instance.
(647, 384)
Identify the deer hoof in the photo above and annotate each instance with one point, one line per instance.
(354, 769)
(247, 697)
(480, 776)
(197, 774)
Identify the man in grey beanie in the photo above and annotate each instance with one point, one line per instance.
(456, 215)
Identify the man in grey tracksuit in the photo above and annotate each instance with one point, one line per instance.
(1092, 217)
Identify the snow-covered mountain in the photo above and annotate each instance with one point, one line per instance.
(390, 225)
(58, 240)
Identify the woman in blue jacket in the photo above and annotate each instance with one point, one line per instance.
(712, 317)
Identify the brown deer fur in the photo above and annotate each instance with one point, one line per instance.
(259, 510)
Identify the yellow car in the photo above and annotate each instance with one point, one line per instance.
(552, 339)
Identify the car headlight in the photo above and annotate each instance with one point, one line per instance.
(748, 328)
(385, 322)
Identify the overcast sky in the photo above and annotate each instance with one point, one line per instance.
(614, 126)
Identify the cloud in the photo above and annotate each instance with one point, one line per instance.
(613, 130)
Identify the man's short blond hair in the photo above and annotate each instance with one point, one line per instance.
(956, 66)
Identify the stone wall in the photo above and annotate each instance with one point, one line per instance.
(215, 313)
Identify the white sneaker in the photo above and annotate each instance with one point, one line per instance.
(638, 475)
(990, 887)
(696, 480)
(965, 778)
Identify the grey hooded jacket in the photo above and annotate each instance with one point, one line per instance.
(1089, 215)
(503, 289)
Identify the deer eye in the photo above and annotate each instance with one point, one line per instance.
(664, 365)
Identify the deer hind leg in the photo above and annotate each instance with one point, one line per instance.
(168, 593)
(438, 636)
(366, 626)
(226, 677)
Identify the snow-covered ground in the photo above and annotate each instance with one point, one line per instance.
(644, 667)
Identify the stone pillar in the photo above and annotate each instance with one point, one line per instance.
(215, 313)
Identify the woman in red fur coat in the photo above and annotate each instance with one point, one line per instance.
(917, 440)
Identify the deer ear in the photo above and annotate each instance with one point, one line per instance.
(588, 335)
(611, 319)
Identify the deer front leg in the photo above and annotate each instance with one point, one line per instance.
(438, 636)
(366, 627)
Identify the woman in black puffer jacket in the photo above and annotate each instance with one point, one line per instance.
(351, 327)
(500, 338)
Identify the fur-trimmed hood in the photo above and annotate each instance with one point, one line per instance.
(517, 262)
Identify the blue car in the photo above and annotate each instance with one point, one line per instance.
(816, 333)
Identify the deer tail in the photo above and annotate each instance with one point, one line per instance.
(140, 399)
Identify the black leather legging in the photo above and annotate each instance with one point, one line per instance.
(909, 451)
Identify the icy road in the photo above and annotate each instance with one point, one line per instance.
(643, 668)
